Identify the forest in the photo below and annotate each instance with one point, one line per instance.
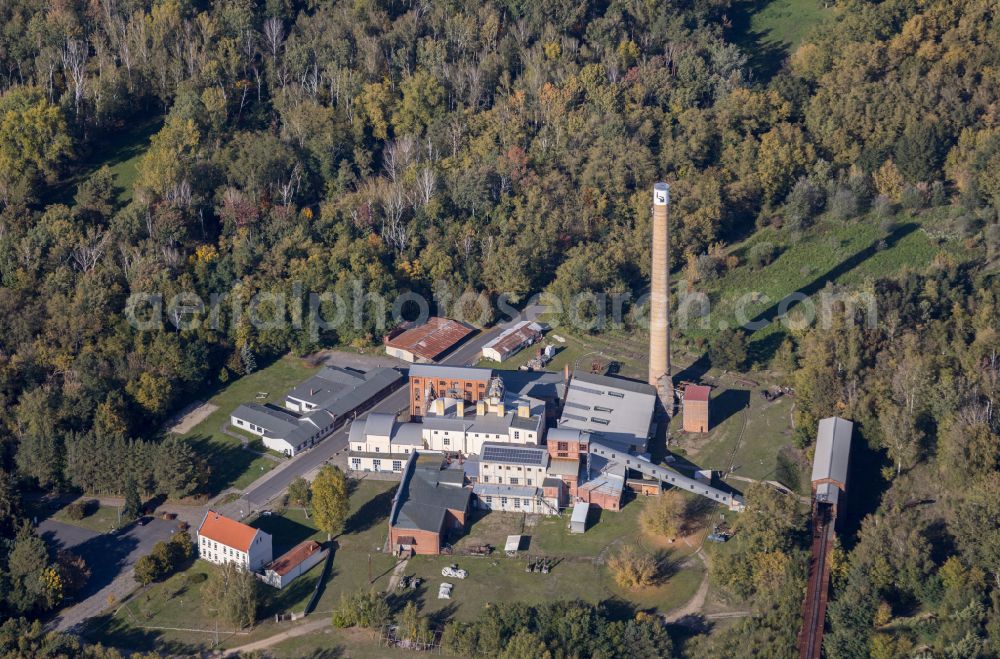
(505, 148)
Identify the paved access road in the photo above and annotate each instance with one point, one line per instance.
(110, 557)
(274, 483)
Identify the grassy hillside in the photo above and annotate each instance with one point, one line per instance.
(832, 252)
(768, 30)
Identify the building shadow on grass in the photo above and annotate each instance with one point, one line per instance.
(226, 462)
(111, 631)
(286, 532)
(372, 512)
(728, 403)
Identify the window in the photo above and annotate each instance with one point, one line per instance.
(447, 441)
(598, 408)
(376, 449)
(562, 446)
(489, 499)
(514, 481)
(517, 434)
(597, 419)
(503, 502)
(528, 481)
(517, 502)
(486, 479)
(377, 464)
(397, 465)
(616, 394)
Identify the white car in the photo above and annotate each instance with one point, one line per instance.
(444, 591)
(453, 571)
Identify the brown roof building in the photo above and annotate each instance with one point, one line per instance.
(426, 343)
(296, 561)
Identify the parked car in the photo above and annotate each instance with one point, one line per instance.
(453, 571)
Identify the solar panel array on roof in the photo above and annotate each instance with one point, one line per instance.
(513, 454)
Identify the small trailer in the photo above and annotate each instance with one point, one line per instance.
(512, 546)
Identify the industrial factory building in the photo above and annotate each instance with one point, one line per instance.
(429, 382)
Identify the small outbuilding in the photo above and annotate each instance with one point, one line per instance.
(297, 561)
(696, 409)
(578, 521)
(513, 545)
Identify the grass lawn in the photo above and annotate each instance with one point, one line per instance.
(168, 617)
(175, 603)
(756, 440)
(768, 30)
(844, 253)
(230, 465)
(120, 150)
(101, 520)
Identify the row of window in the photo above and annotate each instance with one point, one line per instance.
(397, 465)
(513, 480)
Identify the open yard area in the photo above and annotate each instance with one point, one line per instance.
(98, 518)
(169, 617)
(230, 465)
(749, 435)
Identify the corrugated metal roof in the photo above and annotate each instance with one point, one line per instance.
(833, 450)
(432, 339)
(513, 338)
(293, 557)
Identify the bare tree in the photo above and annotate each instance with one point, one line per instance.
(88, 254)
(426, 182)
(274, 36)
(398, 155)
(75, 54)
(394, 229)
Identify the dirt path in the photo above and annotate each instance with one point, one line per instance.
(694, 605)
(397, 573)
(298, 630)
(189, 417)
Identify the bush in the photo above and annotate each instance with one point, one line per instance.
(196, 578)
(728, 350)
(883, 208)
(664, 516)
(632, 568)
(802, 204)
(911, 198)
(76, 510)
(361, 609)
(761, 254)
(843, 204)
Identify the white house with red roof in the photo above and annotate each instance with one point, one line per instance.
(223, 540)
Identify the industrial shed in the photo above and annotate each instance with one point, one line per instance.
(426, 343)
(833, 450)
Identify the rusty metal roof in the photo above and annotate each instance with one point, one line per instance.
(432, 339)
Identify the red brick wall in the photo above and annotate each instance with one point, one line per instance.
(695, 416)
(427, 542)
(473, 390)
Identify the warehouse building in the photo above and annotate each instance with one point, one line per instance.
(426, 343)
(617, 410)
(512, 340)
(830, 461)
(315, 408)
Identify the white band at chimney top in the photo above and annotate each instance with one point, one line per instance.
(661, 194)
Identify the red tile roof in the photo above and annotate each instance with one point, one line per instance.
(227, 531)
(294, 556)
(430, 340)
(697, 393)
